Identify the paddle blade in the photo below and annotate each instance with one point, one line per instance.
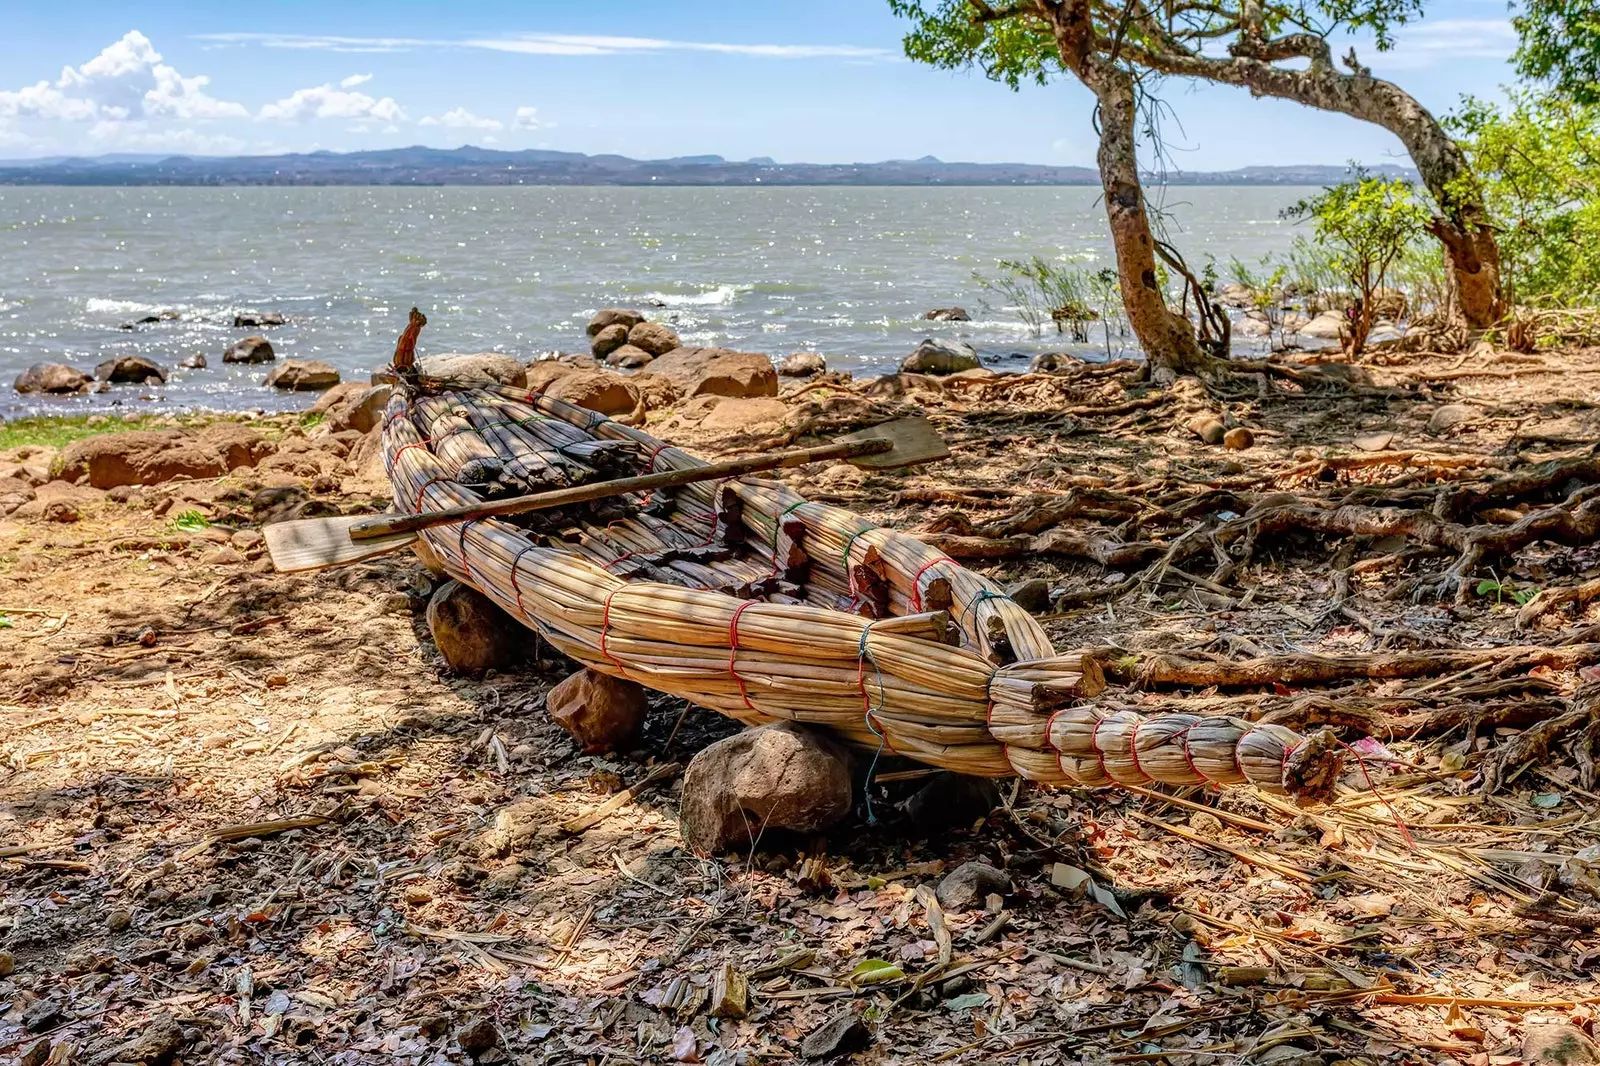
(315, 543)
(914, 439)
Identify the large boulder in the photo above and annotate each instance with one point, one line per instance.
(654, 338)
(614, 316)
(494, 367)
(130, 370)
(802, 365)
(303, 375)
(655, 391)
(471, 631)
(140, 457)
(934, 356)
(52, 377)
(727, 415)
(255, 349)
(236, 443)
(771, 777)
(608, 340)
(601, 712)
(361, 411)
(718, 372)
(337, 395)
(628, 357)
(597, 390)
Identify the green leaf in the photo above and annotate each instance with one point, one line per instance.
(1522, 596)
(875, 972)
(5, 623)
(970, 1001)
(1546, 800)
(1488, 585)
(190, 522)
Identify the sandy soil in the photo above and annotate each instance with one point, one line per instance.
(159, 685)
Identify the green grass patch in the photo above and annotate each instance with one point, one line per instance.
(190, 522)
(58, 431)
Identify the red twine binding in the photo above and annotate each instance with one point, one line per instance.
(515, 588)
(605, 626)
(1133, 751)
(1094, 746)
(916, 582)
(733, 651)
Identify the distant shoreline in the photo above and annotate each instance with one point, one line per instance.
(469, 166)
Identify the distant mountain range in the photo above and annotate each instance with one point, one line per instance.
(483, 166)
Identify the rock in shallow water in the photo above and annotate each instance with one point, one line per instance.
(250, 350)
(934, 356)
(608, 340)
(653, 337)
(614, 316)
(53, 378)
(802, 365)
(130, 369)
(303, 375)
(948, 314)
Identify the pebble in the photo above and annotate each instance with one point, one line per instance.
(8, 963)
(1238, 439)
(118, 920)
(965, 887)
(222, 557)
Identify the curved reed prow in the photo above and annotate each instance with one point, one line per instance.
(1036, 710)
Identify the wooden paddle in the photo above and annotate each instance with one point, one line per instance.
(315, 543)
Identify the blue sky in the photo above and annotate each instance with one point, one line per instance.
(797, 80)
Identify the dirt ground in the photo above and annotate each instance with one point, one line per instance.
(251, 817)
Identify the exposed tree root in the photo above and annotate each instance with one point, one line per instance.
(1177, 668)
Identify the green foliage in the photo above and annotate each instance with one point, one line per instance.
(1502, 590)
(190, 521)
(1538, 163)
(1020, 50)
(1560, 47)
(1365, 225)
(1040, 291)
(1265, 284)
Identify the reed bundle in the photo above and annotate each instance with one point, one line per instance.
(748, 599)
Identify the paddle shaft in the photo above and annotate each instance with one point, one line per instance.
(385, 525)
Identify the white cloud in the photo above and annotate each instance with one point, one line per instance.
(355, 79)
(551, 44)
(1438, 40)
(527, 119)
(330, 101)
(461, 119)
(127, 81)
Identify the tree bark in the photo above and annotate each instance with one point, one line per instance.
(1168, 339)
(1462, 225)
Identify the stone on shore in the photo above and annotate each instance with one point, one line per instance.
(255, 349)
(302, 375)
(257, 319)
(236, 443)
(1252, 324)
(1235, 295)
(600, 712)
(356, 406)
(197, 361)
(628, 357)
(934, 356)
(131, 370)
(802, 365)
(763, 779)
(585, 385)
(729, 416)
(139, 457)
(1326, 326)
(1449, 416)
(608, 340)
(471, 631)
(478, 367)
(718, 372)
(654, 338)
(655, 392)
(614, 316)
(948, 314)
(53, 378)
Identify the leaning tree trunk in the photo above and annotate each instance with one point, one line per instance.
(1462, 225)
(1168, 339)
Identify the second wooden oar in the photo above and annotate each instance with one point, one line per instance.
(315, 543)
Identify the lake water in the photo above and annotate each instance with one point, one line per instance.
(843, 271)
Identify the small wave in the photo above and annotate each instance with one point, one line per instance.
(720, 296)
(97, 306)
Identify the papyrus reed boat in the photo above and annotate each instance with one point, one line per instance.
(744, 597)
